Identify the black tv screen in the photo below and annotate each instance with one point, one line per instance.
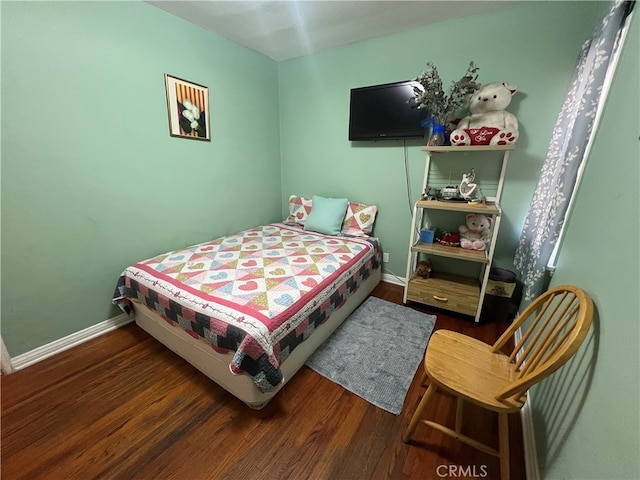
(384, 112)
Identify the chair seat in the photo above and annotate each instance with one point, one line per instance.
(467, 367)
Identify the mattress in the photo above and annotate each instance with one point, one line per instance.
(254, 297)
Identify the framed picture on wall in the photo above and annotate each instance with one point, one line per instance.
(188, 108)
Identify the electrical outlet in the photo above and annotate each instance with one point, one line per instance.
(385, 258)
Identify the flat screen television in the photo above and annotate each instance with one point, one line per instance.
(383, 112)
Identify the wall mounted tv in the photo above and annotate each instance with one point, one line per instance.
(383, 112)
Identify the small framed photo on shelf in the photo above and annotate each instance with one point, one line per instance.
(188, 109)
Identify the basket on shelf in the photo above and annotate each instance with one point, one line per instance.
(450, 239)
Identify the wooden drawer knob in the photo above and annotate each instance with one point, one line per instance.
(440, 299)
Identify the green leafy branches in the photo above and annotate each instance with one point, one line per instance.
(433, 98)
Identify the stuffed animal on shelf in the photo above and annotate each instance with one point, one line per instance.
(423, 269)
(489, 123)
(475, 235)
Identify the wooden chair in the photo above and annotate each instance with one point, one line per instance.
(553, 327)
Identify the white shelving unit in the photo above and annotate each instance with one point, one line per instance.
(457, 293)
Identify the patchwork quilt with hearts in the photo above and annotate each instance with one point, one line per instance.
(259, 293)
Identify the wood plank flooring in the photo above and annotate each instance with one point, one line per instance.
(122, 406)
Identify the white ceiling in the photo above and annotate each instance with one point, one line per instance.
(285, 29)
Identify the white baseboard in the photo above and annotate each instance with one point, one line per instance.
(7, 366)
(390, 278)
(65, 343)
(529, 440)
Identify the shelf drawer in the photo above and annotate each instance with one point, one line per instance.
(450, 292)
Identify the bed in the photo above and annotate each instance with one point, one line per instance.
(248, 309)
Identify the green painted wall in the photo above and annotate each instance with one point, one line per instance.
(91, 179)
(586, 416)
(533, 45)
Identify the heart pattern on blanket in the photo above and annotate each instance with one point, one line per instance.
(278, 271)
(196, 266)
(177, 258)
(300, 260)
(284, 300)
(310, 282)
(219, 276)
(250, 285)
(250, 263)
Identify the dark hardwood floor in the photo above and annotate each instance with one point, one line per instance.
(123, 406)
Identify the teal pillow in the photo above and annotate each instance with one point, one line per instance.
(327, 215)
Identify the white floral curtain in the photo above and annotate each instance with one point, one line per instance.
(568, 149)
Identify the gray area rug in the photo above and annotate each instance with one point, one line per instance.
(375, 353)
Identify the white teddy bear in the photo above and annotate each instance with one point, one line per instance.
(475, 235)
(489, 123)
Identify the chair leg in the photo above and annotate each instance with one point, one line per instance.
(459, 406)
(417, 415)
(503, 439)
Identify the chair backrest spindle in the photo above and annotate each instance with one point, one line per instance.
(555, 324)
(557, 334)
(536, 330)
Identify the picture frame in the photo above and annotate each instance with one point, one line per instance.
(187, 108)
